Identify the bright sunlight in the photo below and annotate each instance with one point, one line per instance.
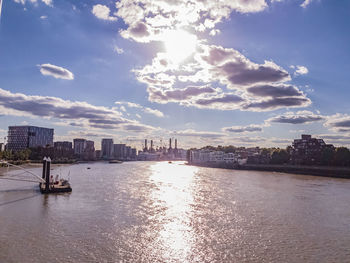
(179, 45)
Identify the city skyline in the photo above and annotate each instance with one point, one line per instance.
(245, 73)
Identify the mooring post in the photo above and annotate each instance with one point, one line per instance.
(44, 168)
(47, 185)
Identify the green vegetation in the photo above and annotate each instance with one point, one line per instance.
(280, 156)
(15, 156)
(341, 157)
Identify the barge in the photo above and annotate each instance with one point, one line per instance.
(49, 186)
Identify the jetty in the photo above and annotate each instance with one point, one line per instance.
(47, 185)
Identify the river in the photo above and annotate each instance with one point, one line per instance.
(171, 212)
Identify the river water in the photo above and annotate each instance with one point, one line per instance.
(162, 212)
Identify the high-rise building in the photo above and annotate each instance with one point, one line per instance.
(90, 146)
(23, 137)
(107, 148)
(63, 150)
(1, 147)
(119, 151)
(79, 146)
(89, 151)
(133, 153)
(128, 152)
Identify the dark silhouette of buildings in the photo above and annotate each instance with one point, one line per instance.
(308, 150)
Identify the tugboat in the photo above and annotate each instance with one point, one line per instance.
(115, 161)
(50, 186)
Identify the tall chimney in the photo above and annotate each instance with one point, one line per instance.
(175, 143)
(170, 143)
(146, 145)
(151, 145)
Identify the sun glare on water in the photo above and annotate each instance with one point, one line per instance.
(179, 45)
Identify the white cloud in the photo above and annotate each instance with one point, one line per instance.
(306, 3)
(214, 32)
(147, 20)
(251, 86)
(56, 71)
(154, 112)
(118, 50)
(102, 12)
(300, 70)
(43, 17)
(47, 2)
(23, 2)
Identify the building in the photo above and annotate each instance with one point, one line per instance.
(23, 137)
(119, 151)
(89, 151)
(209, 157)
(128, 152)
(107, 148)
(2, 147)
(133, 153)
(84, 149)
(147, 156)
(79, 147)
(63, 150)
(308, 150)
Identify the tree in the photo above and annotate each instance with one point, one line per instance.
(280, 156)
(327, 156)
(7, 155)
(342, 156)
(266, 152)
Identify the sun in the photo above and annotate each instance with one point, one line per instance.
(179, 45)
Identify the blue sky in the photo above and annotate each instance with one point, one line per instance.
(239, 72)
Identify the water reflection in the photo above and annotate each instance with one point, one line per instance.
(174, 194)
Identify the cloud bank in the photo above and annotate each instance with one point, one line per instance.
(78, 114)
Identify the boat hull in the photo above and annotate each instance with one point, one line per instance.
(55, 189)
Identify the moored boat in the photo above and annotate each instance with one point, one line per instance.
(115, 161)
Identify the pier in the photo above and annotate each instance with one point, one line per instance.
(46, 183)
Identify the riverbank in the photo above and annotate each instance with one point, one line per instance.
(325, 171)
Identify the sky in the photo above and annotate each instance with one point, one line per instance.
(207, 72)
